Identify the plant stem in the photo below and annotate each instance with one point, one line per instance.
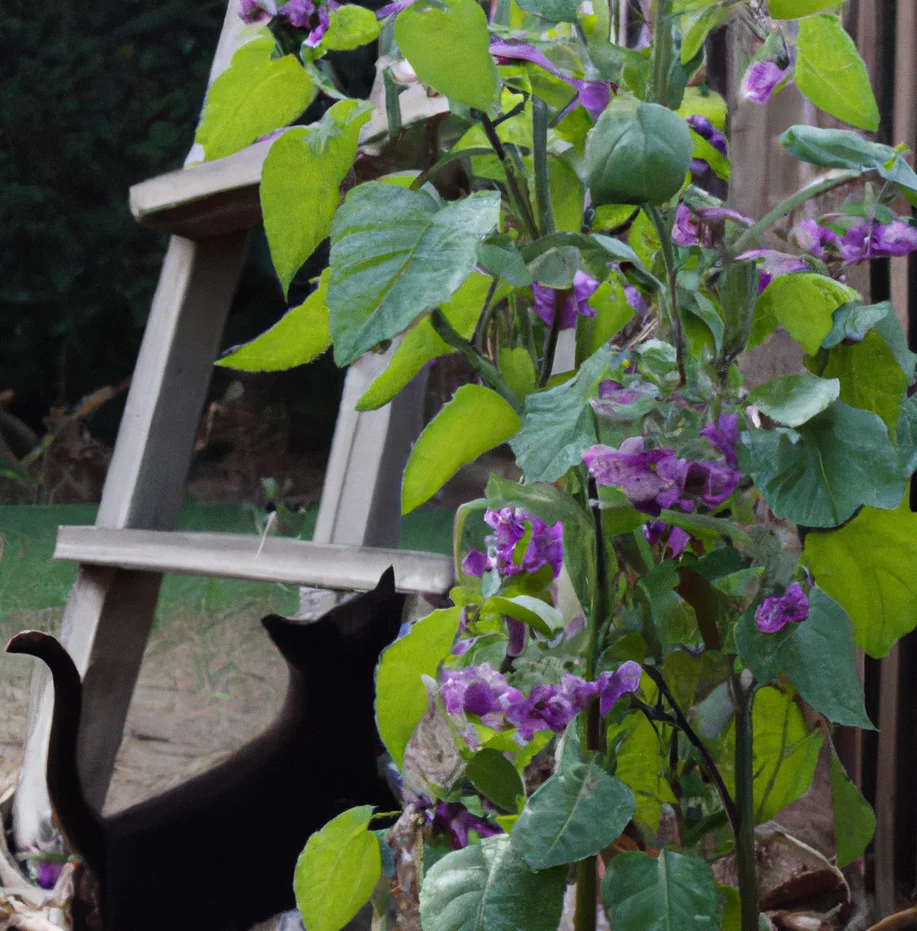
(668, 257)
(745, 836)
(707, 761)
(754, 233)
(550, 350)
(586, 895)
(898, 921)
(661, 56)
(520, 202)
(483, 366)
(540, 157)
(477, 340)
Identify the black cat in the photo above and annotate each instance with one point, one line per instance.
(218, 852)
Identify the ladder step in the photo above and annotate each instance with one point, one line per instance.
(204, 200)
(238, 556)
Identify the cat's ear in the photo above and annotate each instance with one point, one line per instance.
(386, 585)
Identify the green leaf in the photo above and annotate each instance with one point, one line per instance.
(492, 774)
(836, 462)
(300, 336)
(476, 420)
(499, 256)
(854, 821)
(804, 303)
(555, 11)
(518, 369)
(254, 96)
(835, 148)
(671, 892)
(488, 887)
(642, 762)
(401, 699)
(338, 871)
(349, 28)
(575, 814)
(300, 184)
(830, 72)
(785, 753)
(448, 46)
(830, 684)
(795, 399)
(795, 9)
(395, 255)
(567, 194)
(695, 28)
(853, 321)
(558, 425)
(907, 436)
(870, 377)
(637, 153)
(705, 151)
(538, 614)
(861, 567)
(422, 343)
(551, 505)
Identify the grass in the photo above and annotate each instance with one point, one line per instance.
(31, 581)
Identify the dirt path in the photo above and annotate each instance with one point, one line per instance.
(206, 687)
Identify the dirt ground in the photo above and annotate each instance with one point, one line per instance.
(207, 685)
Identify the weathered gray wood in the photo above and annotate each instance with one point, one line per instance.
(361, 497)
(109, 612)
(240, 556)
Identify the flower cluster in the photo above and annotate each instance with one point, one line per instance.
(301, 14)
(509, 525)
(775, 613)
(654, 479)
(706, 130)
(485, 693)
(860, 242)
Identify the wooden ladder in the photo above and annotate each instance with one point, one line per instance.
(208, 209)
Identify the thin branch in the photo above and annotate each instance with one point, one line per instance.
(547, 363)
(483, 366)
(668, 257)
(520, 201)
(707, 761)
(540, 156)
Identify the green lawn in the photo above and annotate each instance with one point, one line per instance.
(30, 580)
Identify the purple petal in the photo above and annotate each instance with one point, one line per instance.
(475, 563)
(723, 436)
(517, 632)
(396, 7)
(594, 96)
(701, 125)
(678, 541)
(721, 214)
(773, 265)
(625, 680)
(298, 13)
(775, 613)
(761, 80)
(634, 473)
(894, 240)
(685, 231)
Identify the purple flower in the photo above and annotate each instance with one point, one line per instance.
(678, 540)
(616, 393)
(253, 12)
(545, 547)
(814, 238)
(593, 95)
(773, 265)
(473, 690)
(723, 436)
(636, 300)
(324, 20)
(721, 215)
(630, 468)
(455, 821)
(390, 8)
(686, 231)
(298, 13)
(517, 636)
(864, 241)
(584, 286)
(48, 872)
(706, 130)
(626, 679)
(761, 80)
(775, 613)
(475, 563)
(712, 482)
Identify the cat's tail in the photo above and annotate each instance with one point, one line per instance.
(81, 826)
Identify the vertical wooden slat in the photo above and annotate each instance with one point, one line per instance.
(110, 612)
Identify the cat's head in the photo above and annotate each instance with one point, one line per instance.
(350, 636)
